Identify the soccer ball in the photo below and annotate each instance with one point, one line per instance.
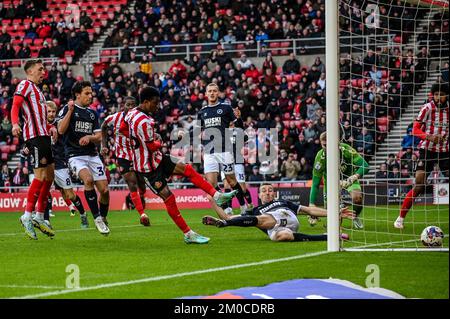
(432, 236)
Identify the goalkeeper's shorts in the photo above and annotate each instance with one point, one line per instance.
(356, 186)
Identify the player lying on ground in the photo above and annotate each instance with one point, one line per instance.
(431, 126)
(155, 168)
(81, 131)
(353, 167)
(277, 218)
(123, 153)
(29, 103)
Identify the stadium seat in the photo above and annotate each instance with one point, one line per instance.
(16, 141)
(4, 157)
(12, 148)
(5, 149)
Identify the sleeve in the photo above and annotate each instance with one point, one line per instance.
(109, 119)
(62, 113)
(15, 110)
(417, 130)
(358, 161)
(231, 113)
(317, 177)
(23, 89)
(96, 123)
(294, 207)
(423, 114)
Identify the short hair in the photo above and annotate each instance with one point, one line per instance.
(79, 86)
(51, 104)
(30, 63)
(148, 93)
(323, 137)
(212, 84)
(265, 184)
(439, 87)
(130, 98)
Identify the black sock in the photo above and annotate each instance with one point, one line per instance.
(243, 221)
(248, 197)
(79, 205)
(91, 198)
(240, 194)
(304, 237)
(48, 208)
(104, 209)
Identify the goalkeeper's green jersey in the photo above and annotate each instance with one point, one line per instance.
(351, 163)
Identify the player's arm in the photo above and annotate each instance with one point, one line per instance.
(64, 118)
(104, 132)
(316, 179)
(322, 212)
(146, 133)
(15, 110)
(219, 210)
(356, 161)
(96, 137)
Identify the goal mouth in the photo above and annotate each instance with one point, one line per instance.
(390, 55)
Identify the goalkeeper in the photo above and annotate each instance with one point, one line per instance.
(353, 167)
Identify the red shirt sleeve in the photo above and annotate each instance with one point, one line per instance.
(417, 130)
(17, 105)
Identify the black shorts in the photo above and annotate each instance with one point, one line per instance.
(40, 151)
(125, 166)
(427, 160)
(157, 180)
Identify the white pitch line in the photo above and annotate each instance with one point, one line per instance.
(31, 287)
(73, 229)
(166, 277)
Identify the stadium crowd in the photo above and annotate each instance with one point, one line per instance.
(375, 87)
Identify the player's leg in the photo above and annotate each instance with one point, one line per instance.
(227, 208)
(207, 185)
(69, 195)
(239, 171)
(424, 166)
(227, 163)
(98, 172)
(132, 182)
(356, 195)
(42, 202)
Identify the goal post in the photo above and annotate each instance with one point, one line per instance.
(382, 58)
(332, 123)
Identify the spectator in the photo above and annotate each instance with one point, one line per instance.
(228, 40)
(375, 75)
(255, 176)
(394, 176)
(5, 178)
(56, 50)
(44, 52)
(5, 37)
(244, 62)
(177, 68)
(6, 129)
(391, 162)
(436, 176)
(292, 65)
(310, 132)
(312, 106)
(290, 168)
(364, 142)
(409, 140)
(305, 172)
(382, 173)
(19, 177)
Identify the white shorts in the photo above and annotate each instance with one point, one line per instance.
(92, 163)
(62, 178)
(286, 220)
(239, 172)
(217, 162)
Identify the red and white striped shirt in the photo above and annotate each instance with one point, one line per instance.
(142, 131)
(34, 110)
(434, 122)
(122, 147)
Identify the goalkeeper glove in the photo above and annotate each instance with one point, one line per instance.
(349, 181)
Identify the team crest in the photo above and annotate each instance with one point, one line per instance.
(92, 116)
(219, 111)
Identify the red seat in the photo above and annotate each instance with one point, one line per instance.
(4, 157)
(16, 141)
(285, 44)
(297, 77)
(274, 45)
(12, 148)
(383, 121)
(5, 149)
(284, 52)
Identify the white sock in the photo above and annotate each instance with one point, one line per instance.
(72, 207)
(39, 215)
(217, 195)
(400, 219)
(27, 215)
(189, 233)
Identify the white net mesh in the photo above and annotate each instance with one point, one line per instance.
(391, 53)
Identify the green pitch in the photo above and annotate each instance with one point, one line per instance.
(154, 262)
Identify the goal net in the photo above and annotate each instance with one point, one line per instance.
(391, 54)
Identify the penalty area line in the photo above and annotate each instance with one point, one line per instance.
(166, 277)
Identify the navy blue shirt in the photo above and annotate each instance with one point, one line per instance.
(58, 150)
(84, 121)
(274, 205)
(218, 117)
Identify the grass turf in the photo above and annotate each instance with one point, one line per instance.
(134, 252)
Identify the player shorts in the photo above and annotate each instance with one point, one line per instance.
(285, 220)
(62, 179)
(125, 166)
(92, 163)
(157, 180)
(40, 150)
(217, 162)
(239, 172)
(427, 160)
